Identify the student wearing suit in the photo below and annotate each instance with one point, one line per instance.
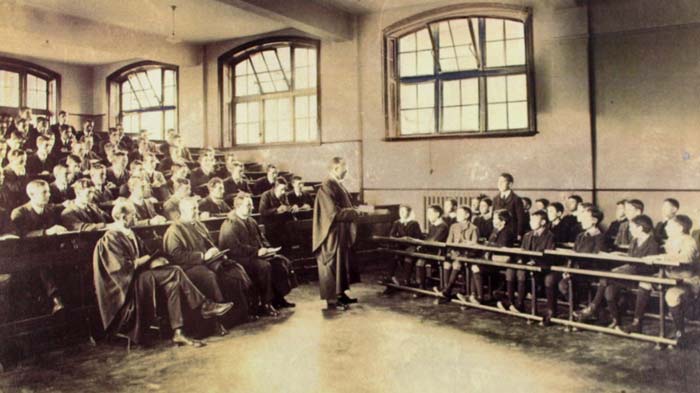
(508, 200)
(200, 176)
(214, 203)
(265, 183)
(669, 209)
(83, 214)
(633, 208)
(236, 181)
(484, 222)
(297, 197)
(146, 213)
(614, 227)
(405, 226)
(273, 206)
(554, 215)
(437, 232)
(570, 222)
(450, 208)
(462, 231)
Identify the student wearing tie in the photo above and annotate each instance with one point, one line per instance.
(669, 209)
(508, 200)
(297, 197)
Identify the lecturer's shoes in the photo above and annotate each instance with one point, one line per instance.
(337, 306)
(345, 299)
(180, 339)
(211, 309)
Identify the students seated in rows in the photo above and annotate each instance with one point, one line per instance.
(189, 245)
(527, 205)
(62, 121)
(146, 213)
(15, 180)
(461, 232)
(508, 200)
(214, 203)
(171, 207)
(633, 208)
(437, 232)
(179, 171)
(79, 154)
(541, 204)
(127, 278)
(669, 209)
(39, 217)
(555, 211)
(614, 227)
(570, 222)
(643, 245)
(75, 168)
(485, 219)
(297, 197)
(136, 170)
(82, 214)
(683, 249)
(7, 228)
(270, 272)
(273, 204)
(538, 239)
(159, 185)
(502, 235)
(201, 175)
(450, 211)
(405, 227)
(117, 174)
(41, 163)
(236, 181)
(590, 241)
(474, 206)
(42, 128)
(89, 137)
(266, 182)
(62, 145)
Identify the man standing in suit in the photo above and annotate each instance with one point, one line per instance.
(334, 233)
(508, 200)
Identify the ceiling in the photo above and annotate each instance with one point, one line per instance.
(359, 7)
(196, 21)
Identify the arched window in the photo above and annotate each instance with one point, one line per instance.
(24, 84)
(270, 92)
(460, 71)
(144, 96)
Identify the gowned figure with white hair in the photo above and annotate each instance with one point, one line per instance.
(127, 277)
(334, 233)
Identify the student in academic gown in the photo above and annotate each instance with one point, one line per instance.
(127, 277)
(334, 232)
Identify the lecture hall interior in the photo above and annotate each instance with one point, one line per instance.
(488, 195)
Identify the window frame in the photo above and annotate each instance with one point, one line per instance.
(24, 69)
(115, 80)
(392, 79)
(243, 52)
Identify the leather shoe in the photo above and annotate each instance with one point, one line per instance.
(337, 306)
(180, 339)
(211, 309)
(345, 299)
(57, 305)
(269, 311)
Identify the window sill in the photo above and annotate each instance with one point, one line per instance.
(463, 135)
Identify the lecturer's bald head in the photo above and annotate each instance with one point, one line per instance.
(338, 168)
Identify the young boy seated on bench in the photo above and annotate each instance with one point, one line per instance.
(405, 227)
(462, 231)
(437, 232)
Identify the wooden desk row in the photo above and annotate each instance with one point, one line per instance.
(550, 260)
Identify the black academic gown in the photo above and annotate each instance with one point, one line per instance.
(334, 233)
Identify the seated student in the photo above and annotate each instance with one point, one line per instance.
(15, 180)
(146, 213)
(297, 197)
(270, 272)
(214, 203)
(178, 171)
(450, 209)
(106, 153)
(201, 175)
(103, 189)
(42, 128)
(266, 182)
(683, 249)
(61, 191)
(89, 137)
(135, 170)
(236, 181)
(541, 204)
(171, 207)
(189, 245)
(462, 231)
(74, 164)
(485, 220)
(273, 204)
(159, 186)
(62, 122)
(62, 145)
(405, 226)
(437, 232)
(502, 235)
(40, 163)
(643, 245)
(474, 203)
(117, 174)
(4, 150)
(590, 241)
(173, 155)
(83, 214)
(614, 228)
(555, 211)
(527, 205)
(127, 277)
(507, 199)
(39, 217)
(539, 238)
(142, 148)
(570, 222)
(669, 209)
(119, 140)
(633, 208)
(7, 228)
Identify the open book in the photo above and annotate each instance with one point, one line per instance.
(271, 251)
(217, 255)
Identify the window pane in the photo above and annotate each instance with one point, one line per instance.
(495, 54)
(170, 79)
(409, 96)
(153, 122)
(470, 91)
(258, 63)
(170, 94)
(409, 122)
(451, 93)
(426, 95)
(130, 121)
(496, 86)
(494, 29)
(407, 43)
(278, 120)
(426, 120)
(470, 118)
(517, 115)
(170, 122)
(423, 40)
(517, 88)
(515, 52)
(407, 64)
(451, 119)
(457, 50)
(514, 29)
(497, 118)
(9, 88)
(425, 63)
